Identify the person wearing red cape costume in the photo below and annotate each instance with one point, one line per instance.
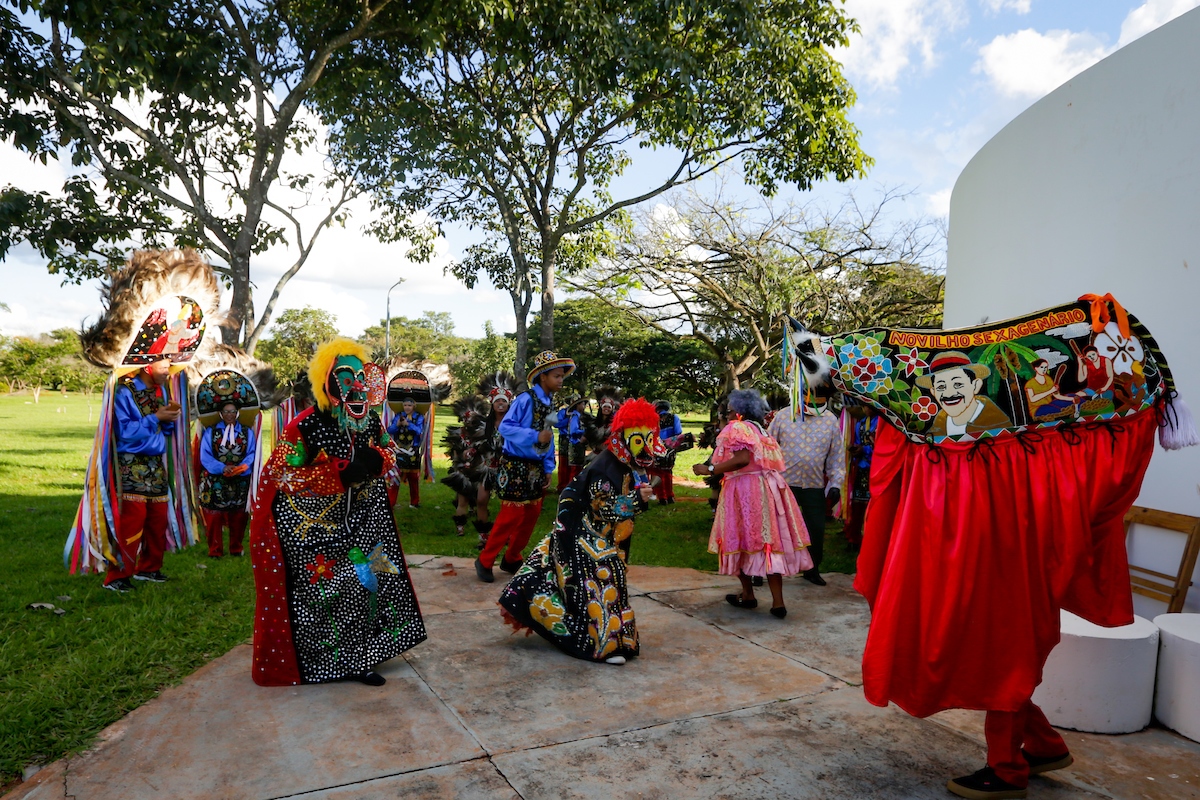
(976, 538)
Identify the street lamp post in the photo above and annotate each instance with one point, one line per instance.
(387, 326)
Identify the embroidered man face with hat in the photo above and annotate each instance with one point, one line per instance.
(956, 384)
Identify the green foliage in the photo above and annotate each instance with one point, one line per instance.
(53, 361)
(294, 339)
(609, 348)
(184, 123)
(429, 337)
(520, 119)
(490, 354)
(726, 274)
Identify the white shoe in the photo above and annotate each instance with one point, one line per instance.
(618, 660)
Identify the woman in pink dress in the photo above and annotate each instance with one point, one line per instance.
(758, 530)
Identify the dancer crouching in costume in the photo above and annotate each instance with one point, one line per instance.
(571, 590)
(758, 530)
(526, 463)
(333, 593)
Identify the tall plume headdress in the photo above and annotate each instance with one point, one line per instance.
(159, 305)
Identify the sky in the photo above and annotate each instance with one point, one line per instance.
(935, 79)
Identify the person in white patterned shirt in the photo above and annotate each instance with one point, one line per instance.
(815, 454)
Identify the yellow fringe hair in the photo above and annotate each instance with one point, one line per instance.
(322, 364)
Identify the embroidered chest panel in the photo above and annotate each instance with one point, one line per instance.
(149, 399)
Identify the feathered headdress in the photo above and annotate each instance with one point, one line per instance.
(129, 295)
(498, 384)
(322, 364)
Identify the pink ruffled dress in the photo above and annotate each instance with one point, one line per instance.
(758, 529)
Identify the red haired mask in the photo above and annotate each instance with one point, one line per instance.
(634, 434)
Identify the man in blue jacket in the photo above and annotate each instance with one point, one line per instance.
(526, 463)
(143, 421)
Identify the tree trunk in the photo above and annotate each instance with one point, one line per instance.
(241, 305)
(37, 393)
(521, 314)
(547, 332)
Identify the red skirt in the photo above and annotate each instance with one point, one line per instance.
(970, 551)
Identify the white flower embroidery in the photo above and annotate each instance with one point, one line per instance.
(1123, 352)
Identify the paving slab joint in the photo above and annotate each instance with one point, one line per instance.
(678, 610)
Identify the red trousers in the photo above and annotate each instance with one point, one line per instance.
(665, 488)
(141, 538)
(513, 527)
(1008, 731)
(215, 521)
(413, 479)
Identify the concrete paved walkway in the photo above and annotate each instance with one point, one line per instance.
(723, 703)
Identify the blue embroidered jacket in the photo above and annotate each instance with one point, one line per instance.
(520, 437)
(214, 465)
(137, 434)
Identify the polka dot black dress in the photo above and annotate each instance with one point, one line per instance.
(334, 595)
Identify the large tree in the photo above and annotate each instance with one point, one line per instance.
(641, 361)
(294, 340)
(520, 122)
(429, 337)
(180, 119)
(726, 273)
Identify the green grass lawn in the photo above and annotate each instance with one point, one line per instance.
(65, 677)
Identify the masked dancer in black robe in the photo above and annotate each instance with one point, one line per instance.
(334, 595)
(571, 589)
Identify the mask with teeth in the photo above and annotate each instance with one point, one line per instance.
(348, 393)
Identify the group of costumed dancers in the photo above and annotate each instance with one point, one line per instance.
(995, 503)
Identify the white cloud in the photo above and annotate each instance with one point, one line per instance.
(1150, 15)
(18, 169)
(894, 33)
(1018, 6)
(938, 203)
(1030, 64)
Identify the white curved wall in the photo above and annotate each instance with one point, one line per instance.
(1096, 188)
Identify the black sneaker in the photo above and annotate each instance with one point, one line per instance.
(984, 785)
(483, 573)
(120, 586)
(1040, 764)
(510, 567)
(812, 576)
(153, 577)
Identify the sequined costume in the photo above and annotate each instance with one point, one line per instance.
(334, 595)
(571, 590)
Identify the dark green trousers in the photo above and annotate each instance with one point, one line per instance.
(812, 508)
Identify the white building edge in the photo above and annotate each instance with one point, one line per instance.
(1096, 189)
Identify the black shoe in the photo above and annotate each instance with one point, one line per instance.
(1040, 764)
(662, 501)
(153, 577)
(235, 555)
(670, 501)
(780, 612)
(812, 576)
(120, 586)
(756, 581)
(483, 573)
(984, 785)
(736, 600)
(510, 567)
(370, 678)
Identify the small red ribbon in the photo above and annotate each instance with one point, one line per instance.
(1100, 315)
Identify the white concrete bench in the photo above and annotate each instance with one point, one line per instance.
(1177, 699)
(1100, 680)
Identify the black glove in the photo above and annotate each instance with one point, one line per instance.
(366, 465)
(835, 494)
